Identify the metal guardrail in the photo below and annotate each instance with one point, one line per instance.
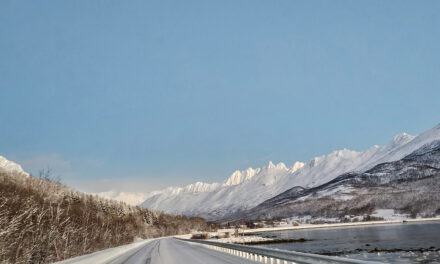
(258, 254)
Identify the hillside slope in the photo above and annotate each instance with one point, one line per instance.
(37, 215)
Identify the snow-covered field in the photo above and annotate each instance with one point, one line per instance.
(386, 214)
(390, 214)
(108, 255)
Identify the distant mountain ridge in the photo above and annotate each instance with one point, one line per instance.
(246, 189)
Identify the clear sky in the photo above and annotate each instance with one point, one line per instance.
(145, 94)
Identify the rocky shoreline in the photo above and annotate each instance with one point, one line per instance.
(377, 250)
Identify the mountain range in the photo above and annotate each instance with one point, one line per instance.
(274, 188)
(244, 190)
(410, 185)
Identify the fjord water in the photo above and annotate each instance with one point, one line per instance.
(396, 243)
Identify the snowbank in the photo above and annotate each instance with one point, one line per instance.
(107, 255)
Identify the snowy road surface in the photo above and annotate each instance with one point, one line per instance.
(161, 251)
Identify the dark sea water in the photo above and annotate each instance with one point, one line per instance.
(395, 243)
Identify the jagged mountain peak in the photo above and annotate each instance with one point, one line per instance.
(401, 138)
(279, 166)
(240, 176)
(296, 166)
(200, 187)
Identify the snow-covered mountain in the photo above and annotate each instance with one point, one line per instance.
(11, 166)
(409, 185)
(127, 197)
(248, 188)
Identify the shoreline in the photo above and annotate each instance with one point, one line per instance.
(282, 228)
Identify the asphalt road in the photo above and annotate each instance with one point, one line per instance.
(170, 251)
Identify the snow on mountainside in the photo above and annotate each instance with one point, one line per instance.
(248, 188)
(204, 199)
(409, 185)
(11, 166)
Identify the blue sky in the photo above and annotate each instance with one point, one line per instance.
(144, 94)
